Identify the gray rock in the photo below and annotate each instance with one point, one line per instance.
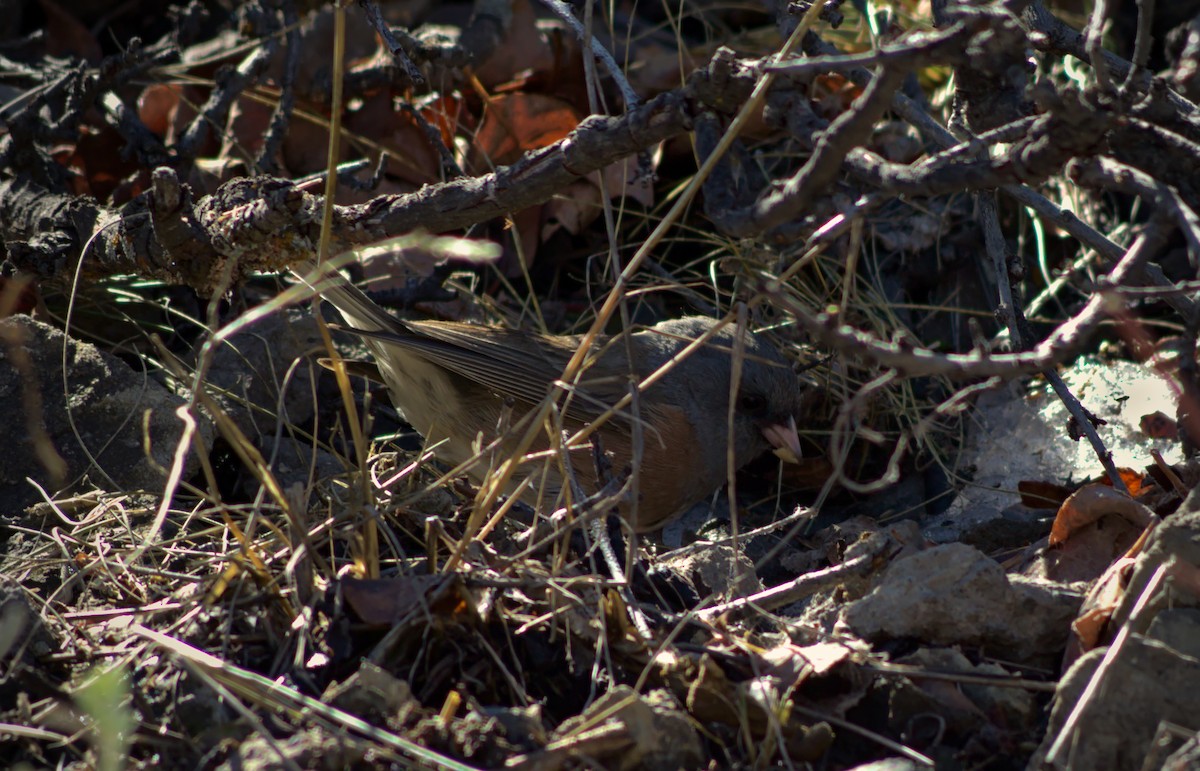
(1149, 682)
(716, 568)
(112, 406)
(955, 595)
(255, 378)
(1153, 680)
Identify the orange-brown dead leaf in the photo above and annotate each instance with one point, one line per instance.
(834, 93)
(1135, 481)
(411, 157)
(1088, 504)
(1094, 528)
(157, 106)
(516, 123)
(1089, 629)
(443, 114)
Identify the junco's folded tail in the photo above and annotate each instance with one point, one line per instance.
(452, 381)
(356, 308)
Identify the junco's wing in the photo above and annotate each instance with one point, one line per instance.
(513, 364)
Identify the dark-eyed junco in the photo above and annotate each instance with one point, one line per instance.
(452, 381)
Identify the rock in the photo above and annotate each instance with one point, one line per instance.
(956, 595)
(716, 569)
(963, 707)
(112, 406)
(250, 371)
(1153, 679)
(656, 732)
(1147, 683)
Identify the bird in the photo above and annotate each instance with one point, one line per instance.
(453, 381)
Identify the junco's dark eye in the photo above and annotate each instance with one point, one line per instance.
(752, 403)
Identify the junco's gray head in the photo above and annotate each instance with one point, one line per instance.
(768, 391)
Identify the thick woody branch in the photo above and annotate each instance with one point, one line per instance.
(267, 224)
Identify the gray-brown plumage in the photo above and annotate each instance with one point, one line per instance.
(451, 381)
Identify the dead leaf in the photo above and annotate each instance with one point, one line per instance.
(67, 157)
(572, 210)
(710, 695)
(383, 602)
(157, 105)
(1159, 425)
(210, 173)
(1135, 481)
(524, 226)
(246, 129)
(444, 113)
(523, 50)
(1089, 504)
(793, 664)
(306, 146)
(66, 37)
(411, 157)
(579, 204)
(1094, 527)
(834, 93)
(1089, 629)
(96, 161)
(18, 294)
(361, 44)
(626, 179)
(516, 123)
(1042, 495)
(660, 67)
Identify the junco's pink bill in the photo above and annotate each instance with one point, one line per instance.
(452, 380)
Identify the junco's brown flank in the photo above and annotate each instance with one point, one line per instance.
(452, 380)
